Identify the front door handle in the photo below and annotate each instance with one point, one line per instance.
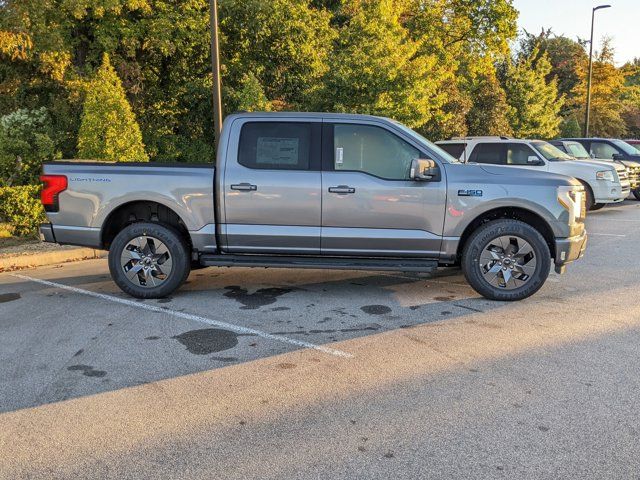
(244, 187)
(342, 189)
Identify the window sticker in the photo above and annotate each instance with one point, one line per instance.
(339, 156)
(276, 150)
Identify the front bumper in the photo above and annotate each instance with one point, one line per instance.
(610, 192)
(46, 233)
(569, 249)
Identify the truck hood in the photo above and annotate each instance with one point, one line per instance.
(603, 162)
(594, 165)
(521, 174)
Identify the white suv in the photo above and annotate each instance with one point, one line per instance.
(604, 182)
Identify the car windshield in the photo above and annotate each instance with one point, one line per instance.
(550, 152)
(576, 150)
(625, 147)
(432, 146)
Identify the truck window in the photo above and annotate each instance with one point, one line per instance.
(454, 149)
(518, 153)
(372, 150)
(603, 150)
(275, 145)
(493, 153)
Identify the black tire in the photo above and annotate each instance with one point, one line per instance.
(597, 206)
(636, 193)
(176, 247)
(482, 238)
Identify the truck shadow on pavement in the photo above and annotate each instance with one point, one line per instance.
(91, 346)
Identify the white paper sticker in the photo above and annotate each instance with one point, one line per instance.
(274, 150)
(339, 156)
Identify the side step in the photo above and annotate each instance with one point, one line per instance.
(334, 263)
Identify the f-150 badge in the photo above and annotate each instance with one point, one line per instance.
(469, 193)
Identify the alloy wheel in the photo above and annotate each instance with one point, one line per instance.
(507, 262)
(146, 261)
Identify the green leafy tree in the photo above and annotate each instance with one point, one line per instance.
(607, 89)
(631, 97)
(283, 44)
(109, 130)
(534, 104)
(377, 68)
(564, 54)
(25, 142)
(488, 115)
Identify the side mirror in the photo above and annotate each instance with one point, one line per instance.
(533, 160)
(617, 156)
(423, 170)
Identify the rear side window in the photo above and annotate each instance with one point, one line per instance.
(492, 153)
(275, 145)
(453, 149)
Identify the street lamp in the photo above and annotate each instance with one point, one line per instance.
(586, 113)
(215, 68)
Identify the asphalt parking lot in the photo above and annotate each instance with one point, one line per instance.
(325, 374)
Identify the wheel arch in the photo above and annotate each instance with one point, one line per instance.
(140, 211)
(512, 213)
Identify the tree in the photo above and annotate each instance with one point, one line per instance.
(607, 87)
(564, 54)
(25, 142)
(376, 68)
(534, 105)
(109, 130)
(631, 97)
(282, 45)
(488, 114)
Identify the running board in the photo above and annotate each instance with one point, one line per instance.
(334, 263)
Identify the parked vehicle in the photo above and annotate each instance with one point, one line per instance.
(577, 151)
(318, 191)
(601, 181)
(634, 142)
(614, 149)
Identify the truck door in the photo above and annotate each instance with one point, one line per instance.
(369, 204)
(272, 187)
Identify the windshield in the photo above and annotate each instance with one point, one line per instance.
(625, 147)
(550, 152)
(577, 150)
(412, 133)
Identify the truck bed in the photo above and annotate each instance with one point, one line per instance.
(96, 190)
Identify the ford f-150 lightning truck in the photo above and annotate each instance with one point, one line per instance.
(318, 190)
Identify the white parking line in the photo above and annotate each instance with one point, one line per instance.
(188, 316)
(605, 234)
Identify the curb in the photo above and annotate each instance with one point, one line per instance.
(26, 260)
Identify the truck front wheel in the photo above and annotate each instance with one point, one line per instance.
(636, 193)
(149, 260)
(506, 260)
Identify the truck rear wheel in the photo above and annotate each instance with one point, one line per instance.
(149, 260)
(506, 260)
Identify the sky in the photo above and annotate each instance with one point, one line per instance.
(572, 18)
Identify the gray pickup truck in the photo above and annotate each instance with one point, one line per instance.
(316, 190)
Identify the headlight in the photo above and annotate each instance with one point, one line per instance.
(605, 175)
(572, 200)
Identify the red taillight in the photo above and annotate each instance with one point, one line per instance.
(53, 185)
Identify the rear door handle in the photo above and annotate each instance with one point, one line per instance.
(244, 187)
(342, 189)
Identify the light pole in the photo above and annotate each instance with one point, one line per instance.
(215, 68)
(586, 113)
